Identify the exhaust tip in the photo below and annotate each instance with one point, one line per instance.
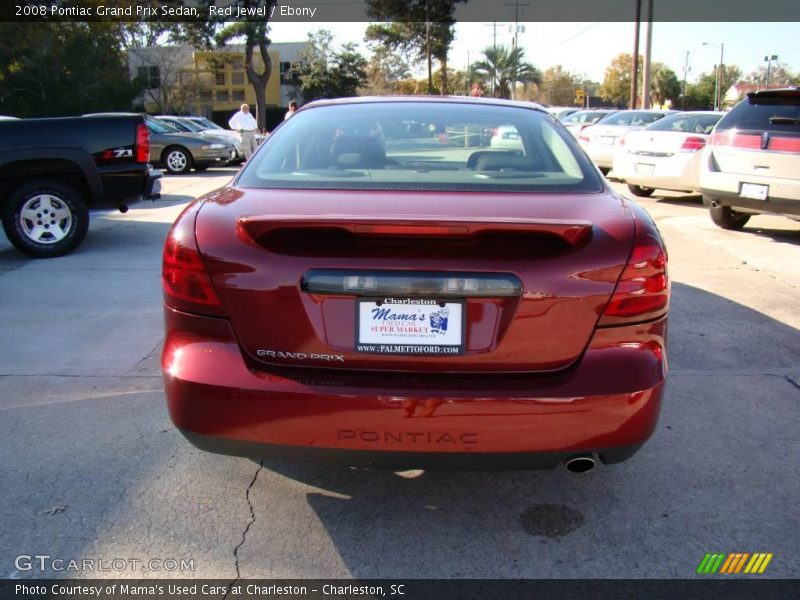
(580, 464)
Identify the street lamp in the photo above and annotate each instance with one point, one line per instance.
(717, 88)
(768, 60)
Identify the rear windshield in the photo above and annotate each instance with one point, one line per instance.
(159, 126)
(686, 123)
(631, 117)
(179, 125)
(187, 124)
(421, 146)
(770, 113)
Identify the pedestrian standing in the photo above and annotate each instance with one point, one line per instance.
(246, 125)
(291, 111)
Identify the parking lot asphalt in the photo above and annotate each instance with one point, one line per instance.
(91, 467)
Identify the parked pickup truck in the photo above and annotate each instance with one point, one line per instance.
(53, 171)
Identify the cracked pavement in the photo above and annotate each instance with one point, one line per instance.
(92, 467)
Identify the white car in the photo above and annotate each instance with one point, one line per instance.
(602, 139)
(580, 120)
(506, 137)
(561, 112)
(212, 127)
(665, 155)
(752, 161)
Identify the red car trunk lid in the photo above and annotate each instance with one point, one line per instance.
(565, 251)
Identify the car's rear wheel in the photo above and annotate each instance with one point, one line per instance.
(727, 218)
(177, 160)
(638, 190)
(45, 218)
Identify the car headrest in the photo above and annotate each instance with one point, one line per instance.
(495, 161)
(358, 152)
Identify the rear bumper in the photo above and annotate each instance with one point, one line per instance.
(607, 404)
(680, 172)
(783, 196)
(399, 460)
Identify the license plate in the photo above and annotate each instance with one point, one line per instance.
(604, 139)
(410, 326)
(754, 191)
(645, 169)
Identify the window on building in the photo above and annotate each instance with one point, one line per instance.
(223, 96)
(219, 77)
(237, 78)
(205, 95)
(151, 76)
(238, 95)
(289, 72)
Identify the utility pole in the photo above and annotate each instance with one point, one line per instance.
(494, 48)
(718, 84)
(632, 103)
(768, 60)
(428, 45)
(685, 72)
(469, 75)
(516, 6)
(648, 45)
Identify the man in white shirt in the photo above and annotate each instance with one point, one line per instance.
(246, 125)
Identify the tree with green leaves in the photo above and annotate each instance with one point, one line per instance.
(616, 86)
(779, 74)
(420, 29)
(384, 72)
(700, 95)
(504, 68)
(558, 86)
(328, 72)
(56, 69)
(664, 85)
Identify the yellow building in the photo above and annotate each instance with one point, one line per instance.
(187, 80)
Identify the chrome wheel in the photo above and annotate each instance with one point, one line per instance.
(45, 219)
(177, 161)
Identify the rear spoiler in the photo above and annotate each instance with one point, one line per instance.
(571, 231)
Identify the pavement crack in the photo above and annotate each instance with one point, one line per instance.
(249, 524)
(792, 381)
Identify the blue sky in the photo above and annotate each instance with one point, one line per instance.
(587, 48)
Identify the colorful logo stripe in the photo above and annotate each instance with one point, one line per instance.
(734, 562)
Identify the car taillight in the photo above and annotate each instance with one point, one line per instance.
(142, 143)
(692, 144)
(187, 283)
(642, 292)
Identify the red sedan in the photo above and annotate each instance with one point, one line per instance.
(380, 285)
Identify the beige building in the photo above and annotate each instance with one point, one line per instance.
(184, 79)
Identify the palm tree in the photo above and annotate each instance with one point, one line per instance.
(504, 67)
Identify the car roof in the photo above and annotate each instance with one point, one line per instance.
(427, 99)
